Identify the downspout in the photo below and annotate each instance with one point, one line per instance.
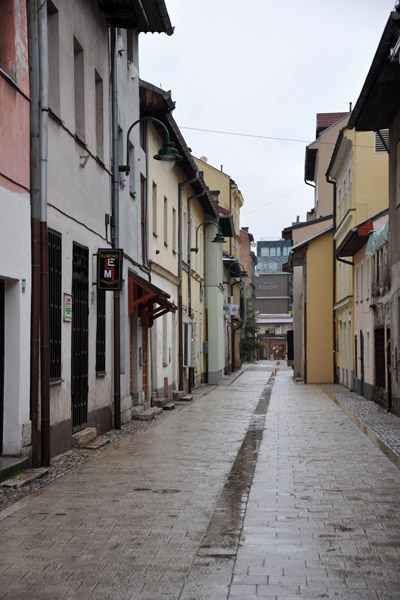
(335, 378)
(44, 246)
(189, 203)
(35, 227)
(310, 184)
(180, 270)
(115, 222)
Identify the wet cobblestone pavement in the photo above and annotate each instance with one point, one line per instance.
(259, 488)
(385, 425)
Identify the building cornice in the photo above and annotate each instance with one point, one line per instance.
(344, 225)
(165, 273)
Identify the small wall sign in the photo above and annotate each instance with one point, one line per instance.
(109, 269)
(67, 308)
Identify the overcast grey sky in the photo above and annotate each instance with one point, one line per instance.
(263, 68)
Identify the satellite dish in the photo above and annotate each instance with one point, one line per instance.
(204, 159)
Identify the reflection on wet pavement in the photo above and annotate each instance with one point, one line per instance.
(214, 561)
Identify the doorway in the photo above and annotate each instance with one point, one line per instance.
(80, 337)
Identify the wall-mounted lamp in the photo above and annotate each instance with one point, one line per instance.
(219, 238)
(243, 273)
(168, 154)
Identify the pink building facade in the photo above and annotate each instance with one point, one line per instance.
(15, 237)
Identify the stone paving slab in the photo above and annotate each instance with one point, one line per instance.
(322, 516)
(381, 426)
(129, 522)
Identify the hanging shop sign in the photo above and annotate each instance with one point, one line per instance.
(109, 269)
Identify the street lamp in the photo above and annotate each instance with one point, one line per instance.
(219, 238)
(168, 154)
(243, 273)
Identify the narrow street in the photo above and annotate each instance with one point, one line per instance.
(262, 488)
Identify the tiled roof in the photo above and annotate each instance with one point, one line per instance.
(325, 120)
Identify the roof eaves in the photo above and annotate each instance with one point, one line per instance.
(381, 73)
(147, 16)
(335, 151)
(310, 239)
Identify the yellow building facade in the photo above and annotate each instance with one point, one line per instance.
(359, 170)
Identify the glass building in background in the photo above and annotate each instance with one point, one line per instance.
(271, 255)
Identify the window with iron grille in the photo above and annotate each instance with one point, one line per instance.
(55, 303)
(101, 332)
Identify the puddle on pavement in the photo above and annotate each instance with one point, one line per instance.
(221, 540)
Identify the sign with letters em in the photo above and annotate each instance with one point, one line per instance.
(109, 269)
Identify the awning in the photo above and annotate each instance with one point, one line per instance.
(232, 265)
(377, 239)
(152, 302)
(355, 239)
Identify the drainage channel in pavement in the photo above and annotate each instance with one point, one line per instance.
(212, 568)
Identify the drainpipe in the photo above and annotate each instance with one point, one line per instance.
(35, 227)
(44, 246)
(189, 203)
(115, 222)
(180, 269)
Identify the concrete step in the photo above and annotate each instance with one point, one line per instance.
(12, 464)
(160, 402)
(149, 414)
(81, 438)
(98, 442)
(186, 398)
(169, 406)
(137, 410)
(24, 478)
(178, 394)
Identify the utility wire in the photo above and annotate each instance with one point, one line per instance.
(273, 201)
(269, 137)
(262, 137)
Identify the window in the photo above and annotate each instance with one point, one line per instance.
(54, 57)
(99, 114)
(272, 251)
(154, 208)
(272, 266)
(350, 189)
(101, 332)
(361, 283)
(368, 277)
(165, 221)
(185, 236)
(174, 230)
(264, 251)
(129, 46)
(187, 344)
(357, 284)
(143, 216)
(79, 90)
(55, 303)
(379, 145)
(7, 38)
(200, 253)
